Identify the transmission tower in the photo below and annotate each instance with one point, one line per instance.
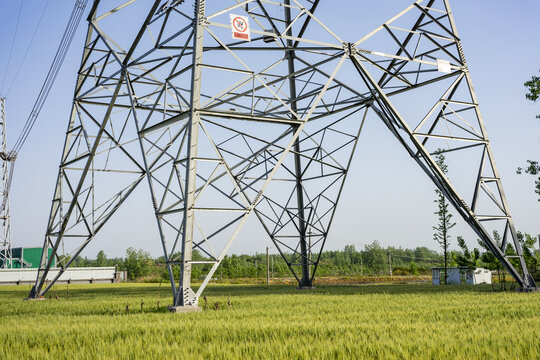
(5, 231)
(222, 128)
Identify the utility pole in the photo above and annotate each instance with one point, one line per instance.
(267, 267)
(389, 264)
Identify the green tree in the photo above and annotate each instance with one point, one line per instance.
(63, 260)
(101, 259)
(197, 270)
(489, 260)
(467, 258)
(137, 263)
(528, 245)
(533, 86)
(445, 224)
(453, 259)
(352, 256)
(413, 268)
(375, 257)
(534, 169)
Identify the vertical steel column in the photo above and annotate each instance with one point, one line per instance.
(305, 282)
(185, 295)
(5, 231)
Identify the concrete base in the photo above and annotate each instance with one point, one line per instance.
(33, 299)
(184, 309)
(306, 288)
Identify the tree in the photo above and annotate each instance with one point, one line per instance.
(137, 263)
(467, 258)
(442, 235)
(534, 169)
(375, 257)
(349, 249)
(413, 268)
(353, 256)
(533, 86)
(528, 244)
(101, 259)
(63, 260)
(489, 260)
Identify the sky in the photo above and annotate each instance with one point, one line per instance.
(386, 197)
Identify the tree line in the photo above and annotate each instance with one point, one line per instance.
(374, 259)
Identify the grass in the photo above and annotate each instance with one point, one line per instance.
(334, 279)
(277, 321)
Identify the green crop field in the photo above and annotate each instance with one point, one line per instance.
(330, 322)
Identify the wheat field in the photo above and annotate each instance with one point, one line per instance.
(131, 321)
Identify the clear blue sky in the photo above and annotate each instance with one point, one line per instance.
(500, 40)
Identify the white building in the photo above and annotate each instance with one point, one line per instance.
(461, 275)
(71, 275)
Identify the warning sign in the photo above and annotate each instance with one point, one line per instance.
(240, 27)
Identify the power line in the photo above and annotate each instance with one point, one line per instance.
(413, 258)
(28, 47)
(67, 37)
(12, 44)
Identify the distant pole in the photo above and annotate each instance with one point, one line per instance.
(538, 257)
(272, 267)
(267, 267)
(361, 264)
(309, 252)
(389, 264)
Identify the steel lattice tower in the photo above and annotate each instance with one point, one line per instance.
(221, 129)
(5, 230)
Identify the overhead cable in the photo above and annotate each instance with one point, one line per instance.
(28, 48)
(61, 52)
(11, 49)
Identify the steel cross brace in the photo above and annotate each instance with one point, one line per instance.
(190, 138)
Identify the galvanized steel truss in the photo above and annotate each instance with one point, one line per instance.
(222, 128)
(5, 223)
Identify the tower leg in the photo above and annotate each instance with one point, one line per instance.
(93, 147)
(185, 295)
(305, 280)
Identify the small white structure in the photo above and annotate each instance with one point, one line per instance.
(461, 275)
(479, 276)
(71, 275)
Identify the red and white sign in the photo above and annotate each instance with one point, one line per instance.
(240, 27)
